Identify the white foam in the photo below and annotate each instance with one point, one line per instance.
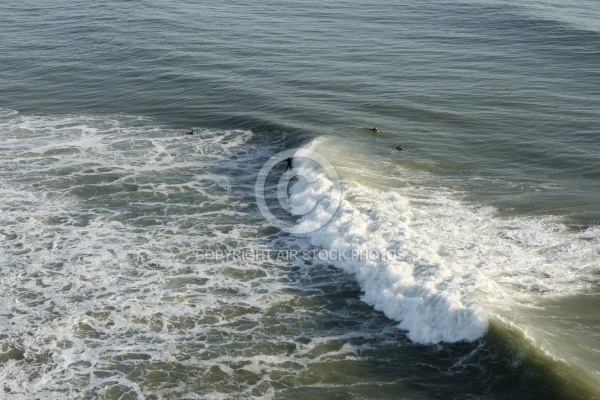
(101, 289)
(96, 287)
(83, 283)
(454, 265)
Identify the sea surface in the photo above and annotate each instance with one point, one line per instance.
(139, 263)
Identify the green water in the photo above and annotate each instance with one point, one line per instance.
(107, 215)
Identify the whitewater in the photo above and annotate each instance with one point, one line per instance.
(456, 265)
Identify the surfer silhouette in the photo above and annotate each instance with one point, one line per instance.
(289, 164)
(400, 148)
(374, 129)
(192, 132)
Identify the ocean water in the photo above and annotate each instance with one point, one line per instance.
(139, 263)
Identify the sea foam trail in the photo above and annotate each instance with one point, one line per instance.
(439, 267)
(103, 227)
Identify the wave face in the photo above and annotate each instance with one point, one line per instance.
(440, 267)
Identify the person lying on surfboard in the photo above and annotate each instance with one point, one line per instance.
(192, 132)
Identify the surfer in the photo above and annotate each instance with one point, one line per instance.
(289, 164)
(192, 132)
(400, 148)
(374, 129)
